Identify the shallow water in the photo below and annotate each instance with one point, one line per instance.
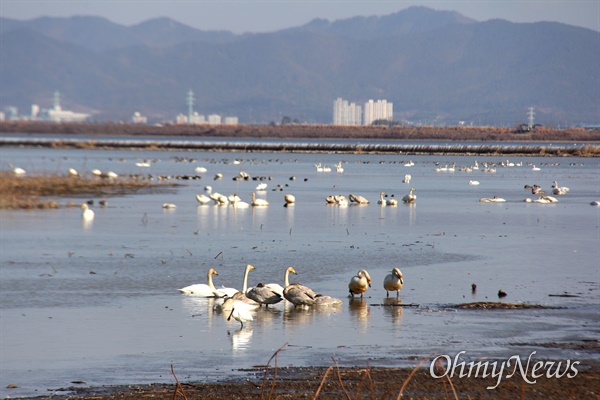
(98, 302)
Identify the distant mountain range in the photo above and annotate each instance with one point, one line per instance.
(437, 67)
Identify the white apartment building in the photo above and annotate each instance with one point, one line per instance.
(378, 110)
(346, 114)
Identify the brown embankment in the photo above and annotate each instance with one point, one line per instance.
(492, 137)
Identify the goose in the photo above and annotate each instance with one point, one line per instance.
(559, 190)
(358, 199)
(289, 199)
(86, 214)
(203, 289)
(240, 314)
(410, 197)
(393, 282)
(258, 202)
(203, 199)
(359, 283)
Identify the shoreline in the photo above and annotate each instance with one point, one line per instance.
(335, 382)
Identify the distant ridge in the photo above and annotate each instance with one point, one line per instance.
(437, 67)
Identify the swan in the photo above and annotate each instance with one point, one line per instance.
(550, 199)
(407, 178)
(359, 283)
(19, 171)
(200, 170)
(382, 201)
(240, 314)
(238, 203)
(299, 295)
(233, 198)
(494, 199)
(258, 202)
(358, 199)
(169, 206)
(559, 190)
(409, 164)
(73, 172)
(330, 199)
(473, 183)
(289, 199)
(264, 295)
(410, 197)
(542, 200)
(392, 201)
(595, 203)
(202, 289)
(203, 199)
(322, 300)
(286, 281)
(261, 186)
(87, 214)
(338, 168)
(534, 168)
(393, 282)
(341, 200)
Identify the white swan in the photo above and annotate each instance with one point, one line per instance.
(358, 199)
(534, 168)
(410, 197)
(258, 202)
(559, 190)
(359, 283)
(238, 203)
(202, 289)
(73, 172)
(393, 282)
(203, 199)
(19, 171)
(261, 186)
(382, 201)
(289, 199)
(407, 178)
(170, 206)
(494, 199)
(87, 214)
(473, 183)
(338, 168)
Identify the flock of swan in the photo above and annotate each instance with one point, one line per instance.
(240, 304)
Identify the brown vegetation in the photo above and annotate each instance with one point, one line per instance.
(42, 191)
(432, 133)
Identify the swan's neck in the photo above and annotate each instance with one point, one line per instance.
(210, 282)
(245, 286)
(286, 278)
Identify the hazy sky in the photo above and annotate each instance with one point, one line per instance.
(269, 15)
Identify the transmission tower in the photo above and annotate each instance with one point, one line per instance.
(57, 100)
(190, 103)
(531, 116)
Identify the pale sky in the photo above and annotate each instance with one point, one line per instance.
(270, 15)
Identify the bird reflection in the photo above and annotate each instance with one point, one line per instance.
(360, 310)
(240, 339)
(393, 308)
(412, 213)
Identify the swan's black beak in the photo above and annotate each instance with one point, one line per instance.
(230, 314)
(401, 281)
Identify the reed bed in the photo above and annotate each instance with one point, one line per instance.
(43, 191)
(309, 147)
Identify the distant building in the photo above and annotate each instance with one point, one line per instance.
(139, 118)
(214, 119)
(181, 119)
(197, 119)
(230, 120)
(379, 110)
(57, 114)
(346, 114)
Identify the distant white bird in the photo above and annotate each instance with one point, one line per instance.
(258, 202)
(73, 172)
(534, 168)
(19, 171)
(87, 214)
(382, 201)
(407, 178)
(473, 183)
(169, 206)
(261, 186)
(200, 170)
(290, 200)
(393, 282)
(358, 199)
(97, 172)
(338, 168)
(409, 164)
(111, 175)
(203, 199)
(240, 314)
(494, 199)
(359, 283)
(410, 197)
(559, 190)
(238, 203)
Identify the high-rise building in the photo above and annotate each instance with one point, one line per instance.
(346, 114)
(380, 110)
